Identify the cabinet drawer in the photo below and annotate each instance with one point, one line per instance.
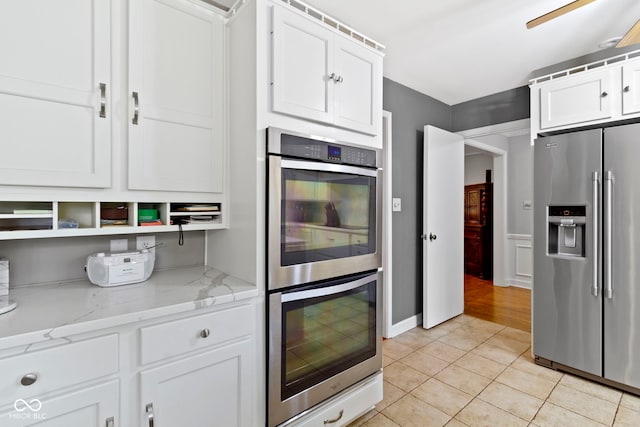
(180, 336)
(57, 367)
(344, 408)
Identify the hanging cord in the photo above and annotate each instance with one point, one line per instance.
(180, 235)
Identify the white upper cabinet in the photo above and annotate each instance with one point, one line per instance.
(631, 87)
(324, 76)
(55, 92)
(576, 99)
(302, 63)
(358, 94)
(176, 82)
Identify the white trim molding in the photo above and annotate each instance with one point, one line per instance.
(520, 260)
(405, 325)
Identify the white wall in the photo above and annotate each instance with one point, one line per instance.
(475, 166)
(520, 186)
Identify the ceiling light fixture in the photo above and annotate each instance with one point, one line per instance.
(609, 42)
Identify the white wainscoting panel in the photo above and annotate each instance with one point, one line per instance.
(520, 260)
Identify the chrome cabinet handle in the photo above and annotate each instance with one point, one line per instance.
(626, 89)
(103, 100)
(432, 237)
(333, 77)
(136, 108)
(594, 288)
(340, 79)
(149, 410)
(335, 420)
(110, 422)
(604, 94)
(608, 176)
(28, 379)
(205, 333)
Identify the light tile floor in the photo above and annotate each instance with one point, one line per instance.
(470, 372)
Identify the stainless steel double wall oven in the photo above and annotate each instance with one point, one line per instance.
(323, 257)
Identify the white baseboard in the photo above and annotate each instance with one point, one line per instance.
(526, 284)
(405, 325)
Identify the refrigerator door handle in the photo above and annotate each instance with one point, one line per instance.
(608, 177)
(596, 182)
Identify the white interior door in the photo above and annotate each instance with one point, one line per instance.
(443, 226)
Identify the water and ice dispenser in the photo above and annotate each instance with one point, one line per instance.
(567, 230)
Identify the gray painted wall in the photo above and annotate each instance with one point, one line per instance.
(520, 185)
(475, 167)
(489, 110)
(62, 259)
(411, 112)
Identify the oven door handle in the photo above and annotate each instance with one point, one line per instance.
(330, 290)
(327, 167)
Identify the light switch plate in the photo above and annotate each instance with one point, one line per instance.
(119, 245)
(396, 204)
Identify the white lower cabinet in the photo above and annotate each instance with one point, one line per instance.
(95, 406)
(202, 374)
(198, 370)
(206, 389)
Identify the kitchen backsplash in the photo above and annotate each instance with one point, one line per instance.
(38, 261)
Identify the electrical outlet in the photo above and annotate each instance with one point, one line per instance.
(119, 245)
(396, 204)
(146, 242)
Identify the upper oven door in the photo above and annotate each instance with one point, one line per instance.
(322, 221)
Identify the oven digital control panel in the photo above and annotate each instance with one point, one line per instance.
(308, 148)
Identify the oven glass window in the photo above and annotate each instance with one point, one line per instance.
(326, 215)
(326, 335)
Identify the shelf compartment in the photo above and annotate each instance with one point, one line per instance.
(195, 213)
(146, 211)
(84, 214)
(117, 214)
(20, 216)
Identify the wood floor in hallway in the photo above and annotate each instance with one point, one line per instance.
(508, 306)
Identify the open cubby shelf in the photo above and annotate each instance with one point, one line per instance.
(26, 219)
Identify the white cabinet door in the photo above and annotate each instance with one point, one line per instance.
(302, 62)
(358, 93)
(577, 99)
(212, 388)
(322, 76)
(55, 57)
(631, 87)
(95, 406)
(176, 52)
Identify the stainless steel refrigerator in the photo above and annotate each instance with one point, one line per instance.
(586, 284)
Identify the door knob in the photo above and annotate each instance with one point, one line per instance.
(432, 237)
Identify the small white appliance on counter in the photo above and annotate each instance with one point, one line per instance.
(5, 303)
(120, 268)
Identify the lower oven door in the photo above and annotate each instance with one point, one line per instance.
(323, 338)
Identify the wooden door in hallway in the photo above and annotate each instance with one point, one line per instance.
(509, 306)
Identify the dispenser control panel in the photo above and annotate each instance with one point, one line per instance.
(566, 230)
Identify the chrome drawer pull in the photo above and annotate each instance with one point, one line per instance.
(136, 108)
(205, 333)
(335, 420)
(103, 100)
(110, 422)
(28, 379)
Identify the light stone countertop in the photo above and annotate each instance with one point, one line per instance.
(50, 311)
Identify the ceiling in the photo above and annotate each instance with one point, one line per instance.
(458, 50)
